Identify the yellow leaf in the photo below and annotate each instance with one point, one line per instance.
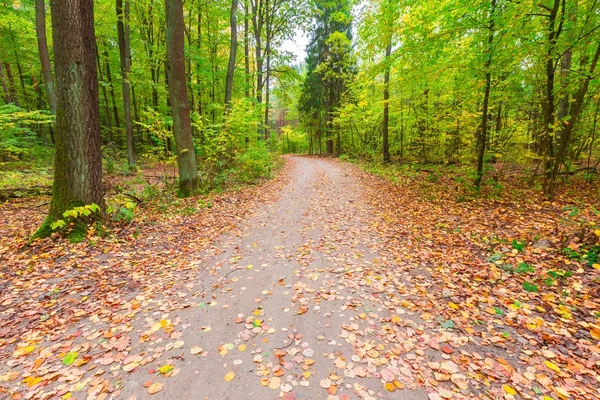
(242, 347)
(67, 395)
(229, 376)
(597, 232)
(165, 369)
(396, 319)
(390, 386)
(509, 389)
(561, 392)
(453, 305)
(21, 351)
(596, 266)
(552, 366)
(595, 333)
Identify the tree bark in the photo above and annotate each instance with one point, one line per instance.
(232, 56)
(180, 109)
(107, 118)
(40, 25)
(78, 160)
(7, 96)
(482, 138)
(11, 84)
(246, 49)
(111, 88)
(125, 56)
(386, 101)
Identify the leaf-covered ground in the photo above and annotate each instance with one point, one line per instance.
(347, 286)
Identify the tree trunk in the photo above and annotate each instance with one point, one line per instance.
(125, 56)
(246, 50)
(268, 90)
(78, 160)
(232, 56)
(482, 138)
(11, 84)
(7, 96)
(386, 106)
(107, 119)
(548, 103)
(180, 109)
(111, 88)
(40, 25)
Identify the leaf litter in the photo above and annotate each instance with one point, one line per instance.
(419, 290)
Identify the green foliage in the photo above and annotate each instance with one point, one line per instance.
(519, 246)
(76, 221)
(530, 287)
(121, 209)
(18, 138)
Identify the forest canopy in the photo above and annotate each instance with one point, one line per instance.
(493, 88)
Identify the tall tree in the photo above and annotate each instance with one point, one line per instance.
(78, 160)
(180, 109)
(40, 28)
(7, 97)
(125, 56)
(483, 132)
(232, 56)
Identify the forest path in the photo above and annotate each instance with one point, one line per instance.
(289, 312)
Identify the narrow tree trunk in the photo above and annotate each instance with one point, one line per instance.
(232, 56)
(386, 101)
(78, 160)
(125, 56)
(246, 50)
(482, 138)
(40, 25)
(199, 65)
(7, 96)
(111, 88)
(548, 103)
(180, 109)
(107, 118)
(268, 90)
(11, 84)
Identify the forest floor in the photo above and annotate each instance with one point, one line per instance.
(325, 283)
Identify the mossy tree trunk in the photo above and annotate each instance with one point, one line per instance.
(78, 160)
(180, 108)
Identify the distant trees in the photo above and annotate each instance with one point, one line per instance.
(330, 67)
(499, 81)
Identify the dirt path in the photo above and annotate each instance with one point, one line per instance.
(280, 292)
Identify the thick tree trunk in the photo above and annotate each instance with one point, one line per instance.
(180, 109)
(40, 26)
(125, 56)
(78, 160)
(232, 56)
(386, 105)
